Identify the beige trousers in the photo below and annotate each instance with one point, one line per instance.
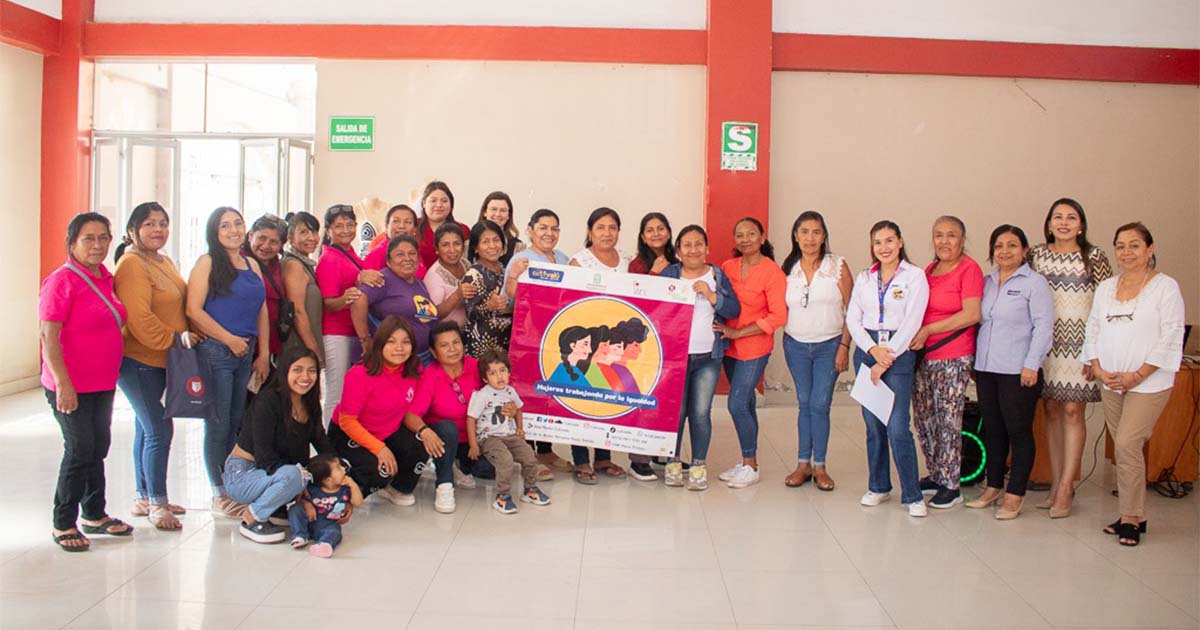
(1131, 418)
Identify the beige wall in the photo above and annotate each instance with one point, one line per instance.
(568, 136)
(859, 148)
(20, 200)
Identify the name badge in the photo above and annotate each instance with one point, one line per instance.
(1014, 292)
(884, 337)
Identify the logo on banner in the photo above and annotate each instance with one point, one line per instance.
(601, 358)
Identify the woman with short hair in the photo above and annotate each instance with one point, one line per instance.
(81, 320)
(498, 208)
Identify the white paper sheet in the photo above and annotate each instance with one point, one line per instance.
(877, 398)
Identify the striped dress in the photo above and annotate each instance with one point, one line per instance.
(1073, 290)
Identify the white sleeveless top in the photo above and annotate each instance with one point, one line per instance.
(588, 260)
(819, 317)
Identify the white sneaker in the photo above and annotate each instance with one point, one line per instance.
(730, 474)
(403, 499)
(463, 480)
(746, 477)
(444, 500)
(917, 509)
(871, 499)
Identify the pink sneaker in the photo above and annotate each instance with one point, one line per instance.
(321, 550)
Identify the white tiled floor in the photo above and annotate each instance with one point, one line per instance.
(623, 554)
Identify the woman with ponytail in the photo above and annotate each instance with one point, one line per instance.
(337, 274)
(154, 293)
(760, 286)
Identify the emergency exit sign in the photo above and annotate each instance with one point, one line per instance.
(352, 134)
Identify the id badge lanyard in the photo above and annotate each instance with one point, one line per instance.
(884, 335)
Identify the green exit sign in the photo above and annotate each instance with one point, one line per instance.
(352, 133)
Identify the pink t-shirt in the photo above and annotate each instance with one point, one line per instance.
(441, 398)
(377, 259)
(90, 337)
(946, 295)
(335, 273)
(379, 402)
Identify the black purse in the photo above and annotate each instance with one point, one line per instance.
(287, 310)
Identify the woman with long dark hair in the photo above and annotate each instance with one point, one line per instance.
(655, 251)
(149, 285)
(437, 209)
(498, 208)
(489, 311)
(369, 428)
(885, 311)
(1074, 267)
(264, 470)
(816, 343)
(445, 279)
(760, 286)
(226, 301)
(81, 322)
(715, 303)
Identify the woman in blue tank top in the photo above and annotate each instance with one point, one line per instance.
(226, 301)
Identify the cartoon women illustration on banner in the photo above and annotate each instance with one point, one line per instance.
(600, 355)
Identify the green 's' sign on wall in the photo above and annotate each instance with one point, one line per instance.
(739, 146)
(352, 134)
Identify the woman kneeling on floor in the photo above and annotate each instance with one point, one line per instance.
(265, 470)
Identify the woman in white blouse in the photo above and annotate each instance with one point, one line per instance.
(443, 280)
(884, 314)
(816, 343)
(1134, 343)
(599, 252)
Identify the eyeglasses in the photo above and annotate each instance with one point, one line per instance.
(340, 209)
(462, 400)
(1119, 317)
(804, 297)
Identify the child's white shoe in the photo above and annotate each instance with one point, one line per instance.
(299, 542)
(443, 500)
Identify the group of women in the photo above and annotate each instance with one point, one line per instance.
(395, 334)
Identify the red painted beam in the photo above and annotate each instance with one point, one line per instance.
(350, 41)
(25, 28)
(898, 55)
(66, 135)
(738, 90)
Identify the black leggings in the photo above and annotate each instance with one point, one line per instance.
(1008, 410)
(364, 466)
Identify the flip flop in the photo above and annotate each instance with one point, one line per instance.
(61, 538)
(611, 469)
(107, 526)
(586, 477)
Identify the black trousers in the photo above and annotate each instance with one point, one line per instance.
(87, 434)
(364, 466)
(1008, 410)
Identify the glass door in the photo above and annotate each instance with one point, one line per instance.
(297, 176)
(132, 170)
(259, 178)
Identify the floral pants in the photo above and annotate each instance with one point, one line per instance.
(939, 391)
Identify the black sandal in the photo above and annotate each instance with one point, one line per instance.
(107, 526)
(1112, 527)
(61, 538)
(1129, 532)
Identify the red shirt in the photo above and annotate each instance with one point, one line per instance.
(90, 338)
(428, 248)
(946, 295)
(440, 397)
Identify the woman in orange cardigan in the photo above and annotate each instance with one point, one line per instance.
(760, 286)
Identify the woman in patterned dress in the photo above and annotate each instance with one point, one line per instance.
(489, 311)
(1074, 267)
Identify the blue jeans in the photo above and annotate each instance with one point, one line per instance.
(144, 385)
(699, 384)
(899, 378)
(230, 374)
(321, 530)
(743, 378)
(264, 492)
(448, 431)
(811, 365)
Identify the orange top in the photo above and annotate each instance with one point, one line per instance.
(761, 292)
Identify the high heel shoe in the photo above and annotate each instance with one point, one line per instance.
(1046, 503)
(979, 502)
(1057, 512)
(1008, 515)
(1115, 525)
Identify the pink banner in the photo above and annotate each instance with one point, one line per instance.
(600, 358)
